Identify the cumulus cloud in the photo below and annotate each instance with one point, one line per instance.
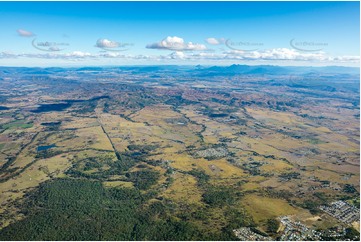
(347, 58)
(215, 41)
(176, 43)
(177, 55)
(68, 56)
(110, 45)
(78, 54)
(278, 54)
(105, 43)
(25, 33)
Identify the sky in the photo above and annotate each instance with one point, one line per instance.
(185, 33)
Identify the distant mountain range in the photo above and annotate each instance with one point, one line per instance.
(278, 70)
(196, 70)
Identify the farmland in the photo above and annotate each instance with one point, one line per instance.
(205, 155)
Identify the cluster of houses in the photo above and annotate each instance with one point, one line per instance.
(292, 230)
(342, 211)
(296, 231)
(246, 234)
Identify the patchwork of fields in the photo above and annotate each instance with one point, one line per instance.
(208, 159)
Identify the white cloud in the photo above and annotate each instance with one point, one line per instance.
(347, 58)
(105, 43)
(25, 33)
(111, 55)
(110, 45)
(77, 54)
(276, 54)
(214, 41)
(176, 43)
(68, 56)
(279, 54)
(7, 55)
(177, 55)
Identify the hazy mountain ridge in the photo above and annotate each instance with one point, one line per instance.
(199, 69)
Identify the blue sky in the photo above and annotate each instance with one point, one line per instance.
(214, 33)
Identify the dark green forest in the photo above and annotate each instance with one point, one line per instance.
(79, 209)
